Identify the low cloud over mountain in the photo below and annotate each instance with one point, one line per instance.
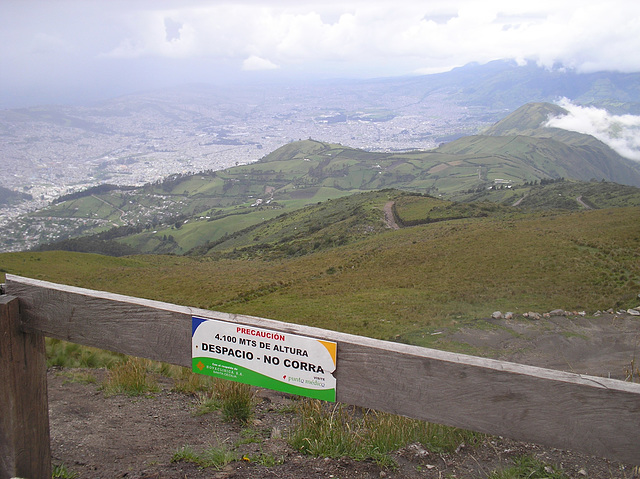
(620, 132)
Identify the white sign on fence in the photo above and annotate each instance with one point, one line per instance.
(264, 358)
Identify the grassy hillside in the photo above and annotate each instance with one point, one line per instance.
(305, 230)
(351, 218)
(192, 211)
(393, 284)
(275, 230)
(413, 210)
(582, 157)
(559, 194)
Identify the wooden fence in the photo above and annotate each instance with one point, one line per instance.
(593, 415)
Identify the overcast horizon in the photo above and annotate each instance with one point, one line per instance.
(81, 51)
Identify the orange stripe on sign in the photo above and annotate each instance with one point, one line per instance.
(331, 347)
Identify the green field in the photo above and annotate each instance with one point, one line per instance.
(389, 283)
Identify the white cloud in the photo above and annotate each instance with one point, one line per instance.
(256, 63)
(148, 42)
(425, 35)
(620, 132)
(148, 37)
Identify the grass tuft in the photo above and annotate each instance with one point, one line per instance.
(131, 378)
(338, 431)
(236, 400)
(60, 471)
(216, 457)
(207, 403)
(264, 459)
(527, 467)
(188, 382)
(70, 355)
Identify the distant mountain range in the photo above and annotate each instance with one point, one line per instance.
(505, 85)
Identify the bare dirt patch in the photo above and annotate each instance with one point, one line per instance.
(438, 168)
(389, 218)
(97, 436)
(601, 346)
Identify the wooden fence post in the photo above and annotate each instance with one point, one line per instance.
(25, 449)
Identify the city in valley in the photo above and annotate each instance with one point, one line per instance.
(50, 151)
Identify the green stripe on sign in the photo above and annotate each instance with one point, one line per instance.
(225, 370)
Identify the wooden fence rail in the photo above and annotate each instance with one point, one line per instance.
(597, 416)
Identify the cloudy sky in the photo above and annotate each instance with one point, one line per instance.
(64, 51)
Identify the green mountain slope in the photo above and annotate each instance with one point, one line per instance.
(344, 221)
(309, 229)
(559, 195)
(579, 156)
(185, 212)
(282, 233)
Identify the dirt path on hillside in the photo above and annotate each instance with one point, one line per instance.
(517, 202)
(122, 212)
(97, 436)
(388, 216)
(582, 203)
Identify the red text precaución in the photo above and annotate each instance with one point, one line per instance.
(260, 334)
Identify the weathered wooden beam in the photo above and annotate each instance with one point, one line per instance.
(594, 415)
(24, 412)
